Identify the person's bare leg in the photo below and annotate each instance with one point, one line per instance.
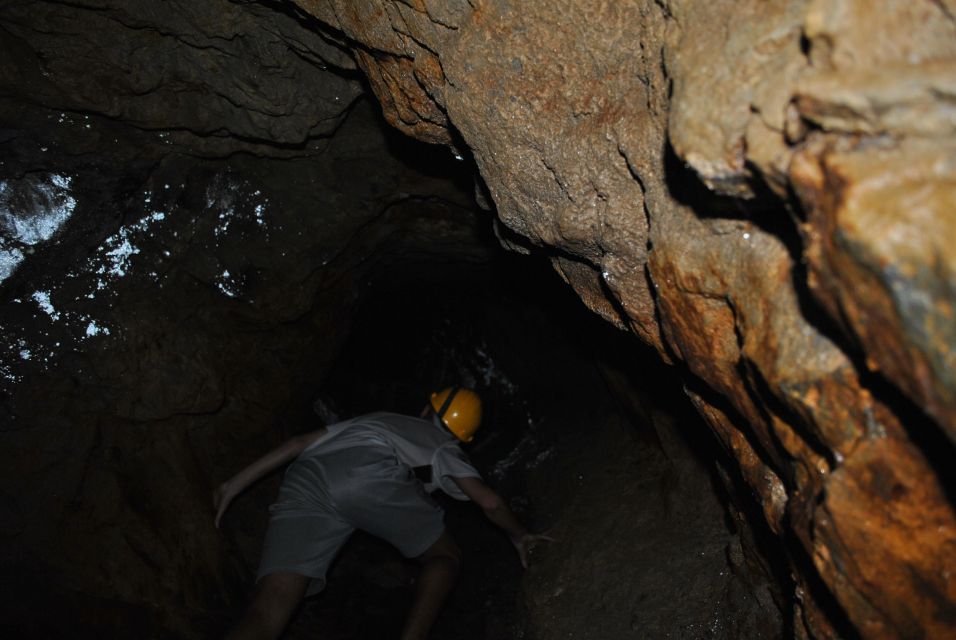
(439, 571)
(276, 598)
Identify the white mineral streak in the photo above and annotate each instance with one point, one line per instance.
(30, 215)
(92, 329)
(42, 298)
(119, 248)
(9, 259)
(52, 205)
(489, 370)
(227, 287)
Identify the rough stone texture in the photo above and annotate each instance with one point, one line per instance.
(212, 77)
(732, 65)
(219, 291)
(879, 234)
(664, 564)
(590, 123)
(498, 86)
(759, 191)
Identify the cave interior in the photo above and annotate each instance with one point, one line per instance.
(224, 226)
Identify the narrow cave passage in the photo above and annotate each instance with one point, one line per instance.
(214, 214)
(590, 440)
(588, 435)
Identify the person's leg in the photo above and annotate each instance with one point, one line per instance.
(277, 596)
(385, 500)
(439, 571)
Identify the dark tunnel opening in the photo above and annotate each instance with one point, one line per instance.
(586, 433)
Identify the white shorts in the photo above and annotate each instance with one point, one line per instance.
(324, 499)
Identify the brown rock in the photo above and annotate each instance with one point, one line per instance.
(536, 92)
(885, 539)
(879, 238)
(732, 65)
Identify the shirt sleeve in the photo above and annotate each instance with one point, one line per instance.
(451, 462)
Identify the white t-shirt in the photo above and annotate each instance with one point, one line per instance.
(414, 441)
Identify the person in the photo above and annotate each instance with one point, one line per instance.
(373, 473)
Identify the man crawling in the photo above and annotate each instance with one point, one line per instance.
(358, 474)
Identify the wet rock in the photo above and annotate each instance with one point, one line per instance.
(171, 340)
(214, 77)
(847, 105)
(878, 239)
(883, 508)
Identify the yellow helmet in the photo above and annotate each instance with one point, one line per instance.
(460, 410)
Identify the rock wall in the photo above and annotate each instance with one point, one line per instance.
(761, 192)
(191, 206)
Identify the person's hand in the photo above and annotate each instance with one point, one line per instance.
(525, 543)
(221, 498)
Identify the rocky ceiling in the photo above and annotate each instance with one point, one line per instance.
(762, 192)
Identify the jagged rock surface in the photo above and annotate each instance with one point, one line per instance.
(819, 252)
(172, 276)
(215, 78)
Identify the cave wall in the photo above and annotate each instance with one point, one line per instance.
(219, 303)
(759, 191)
(173, 282)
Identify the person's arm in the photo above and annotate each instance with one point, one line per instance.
(282, 454)
(498, 512)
